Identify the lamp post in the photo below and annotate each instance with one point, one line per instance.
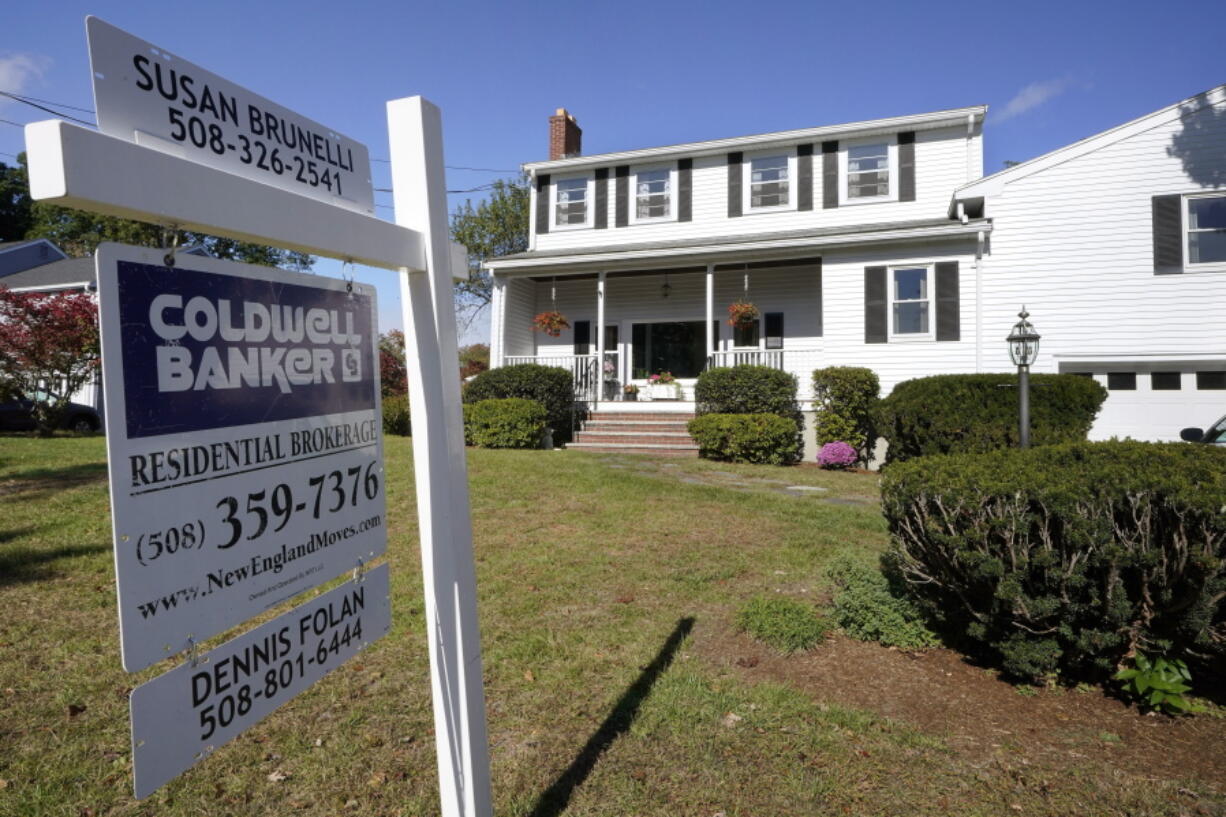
(1023, 349)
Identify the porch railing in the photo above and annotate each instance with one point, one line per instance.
(583, 371)
(739, 357)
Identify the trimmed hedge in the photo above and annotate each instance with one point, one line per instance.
(548, 385)
(1063, 559)
(748, 389)
(396, 415)
(756, 438)
(956, 413)
(513, 422)
(845, 398)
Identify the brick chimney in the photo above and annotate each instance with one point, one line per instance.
(565, 136)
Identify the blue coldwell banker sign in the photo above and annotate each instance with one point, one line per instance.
(204, 351)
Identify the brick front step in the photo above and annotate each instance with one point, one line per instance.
(629, 448)
(627, 425)
(641, 416)
(634, 437)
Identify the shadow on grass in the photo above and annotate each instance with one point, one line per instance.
(555, 799)
(23, 564)
(49, 480)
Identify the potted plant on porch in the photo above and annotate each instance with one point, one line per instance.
(742, 313)
(663, 386)
(630, 392)
(551, 323)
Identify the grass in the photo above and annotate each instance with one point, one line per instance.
(596, 574)
(785, 624)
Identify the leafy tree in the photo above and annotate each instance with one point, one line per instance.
(393, 374)
(15, 216)
(474, 359)
(48, 350)
(495, 227)
(78, 232)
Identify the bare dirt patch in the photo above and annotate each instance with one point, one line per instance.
(982, 717)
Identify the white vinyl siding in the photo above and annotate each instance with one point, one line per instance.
(943, 158)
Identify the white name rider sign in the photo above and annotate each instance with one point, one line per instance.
(181, 717)
(141, 91)
(244, 439)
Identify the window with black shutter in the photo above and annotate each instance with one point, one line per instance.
(774, 329)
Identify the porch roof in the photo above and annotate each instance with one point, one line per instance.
(745, 246)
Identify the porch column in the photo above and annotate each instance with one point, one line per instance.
(710, 310)
(498, 305)
(599, 337)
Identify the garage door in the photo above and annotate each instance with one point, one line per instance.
(1152, 401)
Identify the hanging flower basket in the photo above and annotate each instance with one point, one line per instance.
(551, 323)
(742, 313)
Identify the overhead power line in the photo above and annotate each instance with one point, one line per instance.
(51, 111)
(49, 102)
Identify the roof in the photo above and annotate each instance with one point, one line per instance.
(924, 121)
(5, 246)
(56, 275)
(725, 247)
(990, 185)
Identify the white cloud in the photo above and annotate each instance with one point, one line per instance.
(19, 71)
(1031, 97)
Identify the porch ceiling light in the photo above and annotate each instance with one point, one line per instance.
(1023, 341)
(666, 289)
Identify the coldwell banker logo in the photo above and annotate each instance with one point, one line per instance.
(206, 350)
(286, 363)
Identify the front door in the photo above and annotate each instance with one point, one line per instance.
(677, 346)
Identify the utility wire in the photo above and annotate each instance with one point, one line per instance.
(45, 108)
(49, 102)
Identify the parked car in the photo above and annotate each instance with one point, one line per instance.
(17, 415)
(1215, 435)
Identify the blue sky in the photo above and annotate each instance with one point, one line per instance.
(638, 74)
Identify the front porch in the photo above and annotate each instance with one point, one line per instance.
(626, 326)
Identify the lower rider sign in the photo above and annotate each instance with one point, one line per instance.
(244, 440)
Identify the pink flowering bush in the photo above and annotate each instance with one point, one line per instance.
(836, 456)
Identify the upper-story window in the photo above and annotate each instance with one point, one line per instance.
(768, 181)
(1206, 229)
(570, 207)
(652, 197)
(909, 299)
(868, 171)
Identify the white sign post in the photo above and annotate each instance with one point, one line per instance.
(244, 440)
(74, 167)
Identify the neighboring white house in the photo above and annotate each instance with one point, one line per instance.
(878, 244)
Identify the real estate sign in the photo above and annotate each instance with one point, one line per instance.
(182, 716)
(244, 438)
(146, 95)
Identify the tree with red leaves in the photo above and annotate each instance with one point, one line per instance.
(393, 376)
(48, 350)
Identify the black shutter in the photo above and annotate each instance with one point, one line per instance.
(948, 318)
(621, 211)
(1168, 234)
(685, 189)
(583, 337)
(820, 298)
(906, 167)
(602, 198)
(773, 326)
(542, 203)
(638, 351)
(611, 337)
(734, 184)
(876, 309)
(804, 178)
(830, 175)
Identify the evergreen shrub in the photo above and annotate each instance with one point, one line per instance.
(748, 389)
(957, 413)
(869, 608)
(550, 386)
(845, 398)
(513, 422)
(754, 438)
(1066, 558)
(396, 415)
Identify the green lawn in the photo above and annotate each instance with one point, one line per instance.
(596, 574)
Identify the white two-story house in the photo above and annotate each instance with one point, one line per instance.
(876, 244)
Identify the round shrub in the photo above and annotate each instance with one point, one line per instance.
(845, 398)
(956, 413)
(548, 385)
(756, 438)
(514, 422)
(837, 456)
(1065, 558)
(396, 415)
(748, 389)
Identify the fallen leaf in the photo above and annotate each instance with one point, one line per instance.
(351, 804)
(624, 599)
(299, 804)
(1015, 807)
(4, 784)
(319, 742)
(528, 676)
(377, 779)
(751, 661)
(277, 776)
(86, 812)
(75, 709)
(731, 719)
